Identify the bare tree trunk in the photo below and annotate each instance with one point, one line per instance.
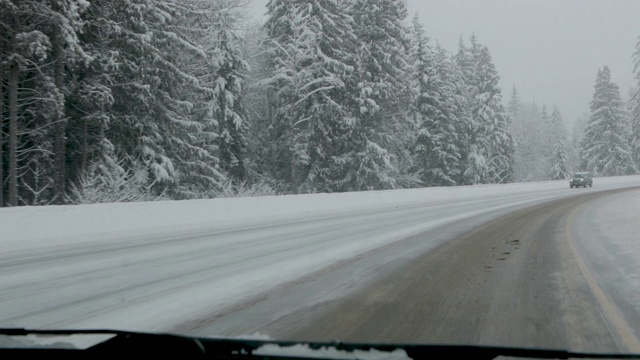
(85, 144)
(1, 129)
(14, 72)
(59, 145)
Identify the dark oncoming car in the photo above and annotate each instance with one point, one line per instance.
(581, 179)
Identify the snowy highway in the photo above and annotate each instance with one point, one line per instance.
(513, 264)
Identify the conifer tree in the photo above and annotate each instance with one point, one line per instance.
(491, 146)
(559, 159)
(436, 152)
(381, 64)
(605, 149)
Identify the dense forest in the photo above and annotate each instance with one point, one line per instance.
(137, 100)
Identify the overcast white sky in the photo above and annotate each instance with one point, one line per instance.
(549, 49)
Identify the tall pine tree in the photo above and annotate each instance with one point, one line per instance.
(437, 156)
(282, 48)
(494, 121)
(322, 114)
(382, 62)
(558, 160)
(313, 66)
(491, 146)
(605, 149)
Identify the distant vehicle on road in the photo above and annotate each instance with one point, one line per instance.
(581, 179)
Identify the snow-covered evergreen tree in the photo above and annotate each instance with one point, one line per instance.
(108, 181)
(381, 98)
(231, 113)
(556, 124)
(185, 54)
(490, 158)
(456, 110)
(514, 107)
(436, 153)
(496, 121)
(548, 135)
(39, 42)
(171, 74)
(559, 170)
(282, 53)
(460, 107)
(313, 66)
(323, 115)
(519, 129)
(605, 149)
(575, 138)
(559, 159)
(466, 58)
(258, 99)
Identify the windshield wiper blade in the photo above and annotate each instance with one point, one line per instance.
(128, 342)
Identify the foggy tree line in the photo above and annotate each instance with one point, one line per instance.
(544, 151)
(603, 142)
(132, 100)
(606, 142)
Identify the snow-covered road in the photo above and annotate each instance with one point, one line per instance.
(155, 266)
(608, 230)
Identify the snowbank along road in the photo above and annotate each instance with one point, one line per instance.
(534, 264)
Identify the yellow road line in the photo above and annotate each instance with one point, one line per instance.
(616, 320)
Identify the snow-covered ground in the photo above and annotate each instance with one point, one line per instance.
(33, 227)
(151, 266)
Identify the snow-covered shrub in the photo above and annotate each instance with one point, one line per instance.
(261, 188)
(110, 182)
